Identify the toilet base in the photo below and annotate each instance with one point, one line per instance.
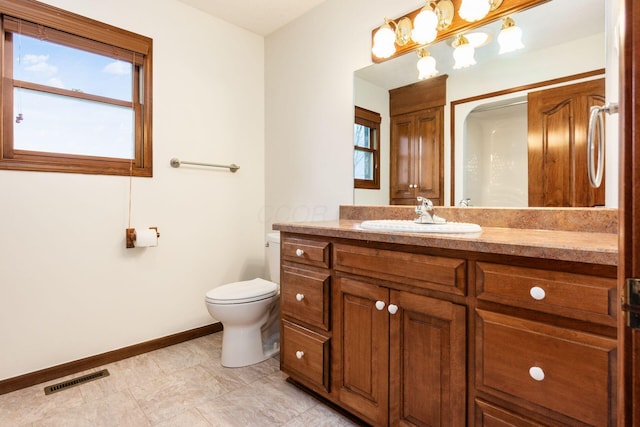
(247, 328)
(243, 347)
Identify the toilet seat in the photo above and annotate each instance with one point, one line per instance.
(242, 292)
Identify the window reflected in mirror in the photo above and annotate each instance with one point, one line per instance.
(366, 149)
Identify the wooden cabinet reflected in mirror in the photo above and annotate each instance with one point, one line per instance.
(558, 120)
(417, 142)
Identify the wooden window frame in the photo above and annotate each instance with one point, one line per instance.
(372, 120)
(33, 18)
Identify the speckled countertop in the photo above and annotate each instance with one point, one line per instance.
(559, 242)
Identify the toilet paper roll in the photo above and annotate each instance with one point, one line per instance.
(146, 237)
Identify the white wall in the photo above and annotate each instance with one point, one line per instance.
(495, 157)
(309, 105)
(68, 287)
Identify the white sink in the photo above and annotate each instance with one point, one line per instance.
(413, 227)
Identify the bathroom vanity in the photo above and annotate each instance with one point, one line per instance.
(515, 325)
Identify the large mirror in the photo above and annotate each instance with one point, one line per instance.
(561, 37)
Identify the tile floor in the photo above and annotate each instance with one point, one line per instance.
(181, 385)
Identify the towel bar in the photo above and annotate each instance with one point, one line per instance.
(175, 162)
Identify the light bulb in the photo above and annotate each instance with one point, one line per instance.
(426, 67)
(425, 26)
(510, 37)
(463, 54)
(384, 42)
(474, 10)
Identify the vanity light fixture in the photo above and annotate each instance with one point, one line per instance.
(437, 21)
(463, 52)
(435, 16)
(475, 10)
(426, 64)
(510, 37)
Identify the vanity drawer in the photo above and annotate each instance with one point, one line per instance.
(489, 415)
(304, 295)
(572, 295)
(575, 370)
(305, 251)
(423, 271)
(305, 355)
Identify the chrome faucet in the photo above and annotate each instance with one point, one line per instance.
(465, 202)
(427, 215)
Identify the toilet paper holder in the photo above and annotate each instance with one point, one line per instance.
(130, 236)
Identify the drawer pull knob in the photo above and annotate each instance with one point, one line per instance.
(536, 373)
(299, 297)
(537, 293)
(299, 354)
(393, 309)
(299, 252)
(380, 305)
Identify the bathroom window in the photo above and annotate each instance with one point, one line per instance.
(366, 149)
(77, 94)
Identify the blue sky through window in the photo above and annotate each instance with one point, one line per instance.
(43, 62)
(62, 124)
(57, 124)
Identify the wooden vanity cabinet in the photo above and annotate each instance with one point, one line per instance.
(410, 336)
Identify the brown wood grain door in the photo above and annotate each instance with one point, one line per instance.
(427, 362)
(629, 231)
(558, 121)
(401, 157)
(417, 156)
(429, 154)
(363, 349)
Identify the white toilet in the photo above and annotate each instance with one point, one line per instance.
(249, 312)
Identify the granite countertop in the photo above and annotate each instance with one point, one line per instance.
(579, 246)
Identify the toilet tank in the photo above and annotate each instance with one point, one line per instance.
(273, 256)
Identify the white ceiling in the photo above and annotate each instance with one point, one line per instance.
(258, 16)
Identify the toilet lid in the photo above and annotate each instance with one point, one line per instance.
(242, 292)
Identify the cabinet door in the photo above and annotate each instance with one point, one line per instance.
(428, 137)
(427, 362)
(401, 174)
(361, 337)
(557, 137)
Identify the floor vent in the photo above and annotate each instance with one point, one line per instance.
(76, 381)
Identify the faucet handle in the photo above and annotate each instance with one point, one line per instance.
(427, 204)
(427, 215)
